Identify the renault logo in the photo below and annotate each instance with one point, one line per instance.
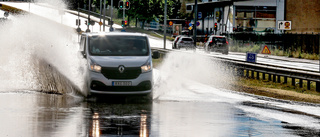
(121, 69)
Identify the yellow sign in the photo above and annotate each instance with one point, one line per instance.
(100, 23)
(190, 28)
(170, 23)
(266, 50)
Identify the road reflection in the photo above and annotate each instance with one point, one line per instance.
(37, 114)
(118, 116)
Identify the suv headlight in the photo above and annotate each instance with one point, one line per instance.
(146, 67)
(94, 67)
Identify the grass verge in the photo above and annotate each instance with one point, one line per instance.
(276, 90)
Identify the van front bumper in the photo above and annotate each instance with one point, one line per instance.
(99, 84)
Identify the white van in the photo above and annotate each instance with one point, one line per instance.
(118, 63)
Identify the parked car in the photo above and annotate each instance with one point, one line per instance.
(185, 42)
(118, 63)
(174, 43)
(217, 43)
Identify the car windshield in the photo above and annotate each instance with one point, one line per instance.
(219, 39)
(118, 46)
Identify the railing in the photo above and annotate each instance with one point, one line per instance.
(268, 72)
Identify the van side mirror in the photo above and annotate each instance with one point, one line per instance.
(155, 54)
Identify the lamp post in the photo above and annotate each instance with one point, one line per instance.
(165, 24)
(195, 22)
(100, 12)
(88, 30)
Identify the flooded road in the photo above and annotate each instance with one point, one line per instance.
(190, 98)
(29, 113)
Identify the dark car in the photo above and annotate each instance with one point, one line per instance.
(217, 43)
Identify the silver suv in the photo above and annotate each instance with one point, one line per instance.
(217, 43)
(118, 63)
(185, 42)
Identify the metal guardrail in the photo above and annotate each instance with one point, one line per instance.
(274, 73)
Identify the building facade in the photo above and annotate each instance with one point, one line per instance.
(258, 16)
(304, 15)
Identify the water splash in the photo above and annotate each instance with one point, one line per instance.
(179, 71)
(27, 40)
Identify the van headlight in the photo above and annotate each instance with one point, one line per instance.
(146, 67)
(94, 67)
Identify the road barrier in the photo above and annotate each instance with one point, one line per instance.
(274, 73)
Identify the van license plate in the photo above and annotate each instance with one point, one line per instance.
(121, 83)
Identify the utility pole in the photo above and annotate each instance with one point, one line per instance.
(100, 13)
(124, 12)
(88, 30)
(195, 22)
(165, 24)
(104, 14)
(111, 13)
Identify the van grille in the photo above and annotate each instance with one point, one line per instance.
(114, 73)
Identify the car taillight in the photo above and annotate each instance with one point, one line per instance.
(181, 42)
(210, 41)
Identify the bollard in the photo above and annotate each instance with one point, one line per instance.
(285, 79)
(308, 84)
(269, 79)
(252, 74)
(293, 81)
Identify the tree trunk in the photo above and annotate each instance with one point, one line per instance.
(136, 22)
(142, 27)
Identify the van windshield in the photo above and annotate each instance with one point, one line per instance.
(118, 46)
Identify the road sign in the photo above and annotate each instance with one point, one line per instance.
(111, 29)
(100, 23)
(78, 30)
(198, 23)
(92, 22)
(284, 25)
(190, 28)
(199, 15)
(190, 24)
(266, 50)
(251, 57)
(170, 23)
(78, 22)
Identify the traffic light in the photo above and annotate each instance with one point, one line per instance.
(122, 23)
(127, 5)
(125, 23)
(215, 26)
(120, 4)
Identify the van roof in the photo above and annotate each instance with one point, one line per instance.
(114, 34)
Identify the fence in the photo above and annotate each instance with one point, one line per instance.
(304, 43)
